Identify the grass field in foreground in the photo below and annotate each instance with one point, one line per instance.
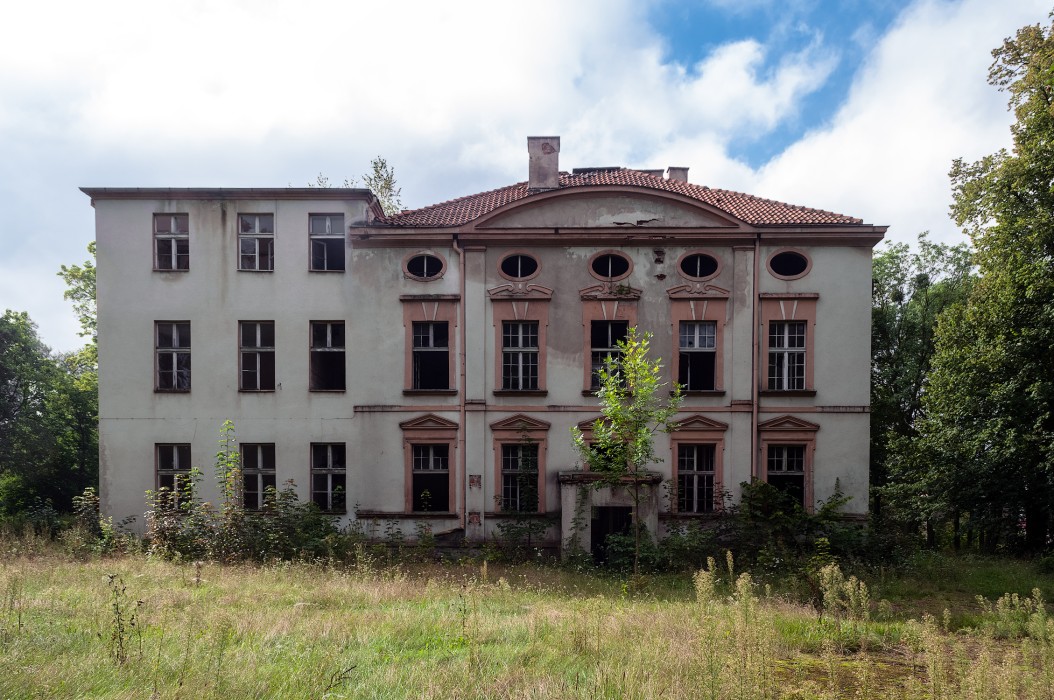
(131, 627)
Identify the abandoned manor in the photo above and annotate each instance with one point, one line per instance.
(426, 367)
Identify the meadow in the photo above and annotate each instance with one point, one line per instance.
(132, 626)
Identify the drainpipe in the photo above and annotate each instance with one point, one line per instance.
(462, 394)
(755, 361)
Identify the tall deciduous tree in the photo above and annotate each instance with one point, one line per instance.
(910, 289)
(624, 438)
(381, 180)
(989, 405)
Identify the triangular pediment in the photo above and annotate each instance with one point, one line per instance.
(428, 422)
(519, 422)
(698, 422)
(587, 425)
(610, 209)
(787, 423)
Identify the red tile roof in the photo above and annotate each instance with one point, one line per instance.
(752, 210)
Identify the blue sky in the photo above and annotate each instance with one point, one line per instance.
(855, 106)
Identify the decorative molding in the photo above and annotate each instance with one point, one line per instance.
(698, 290)
(610, 291)
(428, 422)
(699, 422)
(787, 423)
(520, 422)
(520, 290)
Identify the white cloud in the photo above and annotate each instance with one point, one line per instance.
(269, 93)
(920, 101)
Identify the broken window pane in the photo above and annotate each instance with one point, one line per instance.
(431, 355)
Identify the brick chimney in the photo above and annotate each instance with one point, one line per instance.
(544, 162)
(677, 174)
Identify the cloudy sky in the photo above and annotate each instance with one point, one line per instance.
(858, 106)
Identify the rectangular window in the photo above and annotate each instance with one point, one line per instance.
(431, 478)
(786, 470)
(519, 478)
(257, 355)
(327, 356)
(519, 355)
(695, 478)
(431, 360)
(258, 474)
(256, 242)
(171, 241)
(786, 355)
(172, 348)
(697, 358)
(173, 472)
(604, 338)
(329, 476)
(326, 234)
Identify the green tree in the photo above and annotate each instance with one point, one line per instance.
(910, 289)
(988, 429)
(381, 180)
(43, 454)
(632, 412)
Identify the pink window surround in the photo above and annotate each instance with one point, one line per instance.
(429, 308)
(715, 256)
(699, 430)
(616, 253)
(430, 429)
(512, 431)
(808, 264)
(788, 307)
(407, 258)
(518, 301)
(526, 253)
(701, 308)
(788, 430)
(603, 303)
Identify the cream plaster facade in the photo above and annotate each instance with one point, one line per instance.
(380, 416)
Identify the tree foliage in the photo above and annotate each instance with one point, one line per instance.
(910, 289)
(48, 448)
(988, 428)
(632, 412)
(380, 180)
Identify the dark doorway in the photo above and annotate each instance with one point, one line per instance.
(608, 520)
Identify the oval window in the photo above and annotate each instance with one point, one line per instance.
(610, 266)
(424, 266)
(698, 265)
(519, 266)
(789, 263)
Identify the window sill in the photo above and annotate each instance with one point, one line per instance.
(793, 392)
(160, 269)
(429, 392)
(245, 269)
(256, 391)
(520, 392)
(171, 391)
(702, 392)
(340, 271)
(323, 391)
(499, 514)
(402, 515)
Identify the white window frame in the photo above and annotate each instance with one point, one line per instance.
(696, 480)
(261, 477)
(250, 357)
(329, 347)
(172, 355)
(177, 236)
(426, 460)
(258, 256)
(786, 365)
(333, 230)
(333, 467)
(425, 343)
(598, 356)
(697, 337)
(514, 476)
(519, 356)
(172, 468)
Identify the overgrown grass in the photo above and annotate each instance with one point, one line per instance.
(135, 627)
